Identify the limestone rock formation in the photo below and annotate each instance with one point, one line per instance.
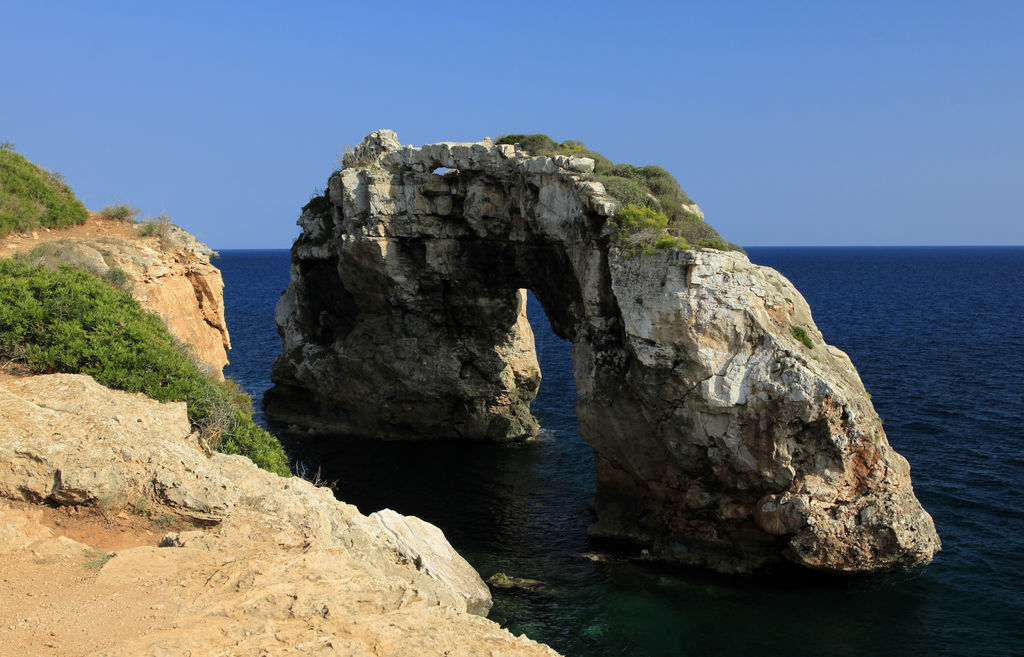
(721, 439)
(170, 276)
(275, 566)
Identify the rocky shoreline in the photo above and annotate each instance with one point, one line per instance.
(264, 565)
(189, 551)
(726, 433)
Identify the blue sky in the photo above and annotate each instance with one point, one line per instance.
(802, 123)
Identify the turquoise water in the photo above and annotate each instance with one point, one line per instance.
(938, 337)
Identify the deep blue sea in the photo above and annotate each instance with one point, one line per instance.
(938, 337)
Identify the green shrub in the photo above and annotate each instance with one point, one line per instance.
(64, 252)
(650, 186)
(801, 334)
(666, 241)
(250, 440)
(32, 197)
(320, 203)
(69, 321)
(81, 256)
(663, 184)
(159, 226)
(539, 144)
(118, 278)
(713, 243)
(656, 181)
(535, 144)
(627, 191)
(571, 147)
(673, 209)
(698, 232)
(41, 252)
(633, 218)
(122, 212)
(641, 229)
(627, 171)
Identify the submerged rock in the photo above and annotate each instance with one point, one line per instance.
(726, 433)
(503, 581)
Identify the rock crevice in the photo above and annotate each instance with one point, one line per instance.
(721, 438)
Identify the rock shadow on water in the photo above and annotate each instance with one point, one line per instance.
(485, 497)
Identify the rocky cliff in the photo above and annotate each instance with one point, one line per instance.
(171, 276)
(726, 432)
(249, 563)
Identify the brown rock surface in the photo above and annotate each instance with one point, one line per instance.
(249, 563)
(171, 277)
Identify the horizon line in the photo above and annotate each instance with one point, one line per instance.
(751, 246)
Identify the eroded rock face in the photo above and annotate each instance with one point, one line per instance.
(172, 277)
(720, 438)
(757, 442)
(278, 564)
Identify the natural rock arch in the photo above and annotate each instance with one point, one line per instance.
(720, 438)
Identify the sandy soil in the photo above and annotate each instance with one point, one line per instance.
(91, 229)
(52, 597)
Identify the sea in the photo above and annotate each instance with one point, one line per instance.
(937, 334)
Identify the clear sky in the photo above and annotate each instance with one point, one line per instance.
(790, 123)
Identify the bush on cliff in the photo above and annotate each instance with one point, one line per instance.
(647, 186)
(640, 229)
(32, 197)
(69, 321)
(538, 144)
(121, 212)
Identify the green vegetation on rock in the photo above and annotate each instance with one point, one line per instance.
(159, 226)
(32, 197)
(800, 333)
(119, 278)
(670, 242)
(69, 321)
(539, 144)
(639, 229)
(121, 212)
(637, 187)
(319, 203)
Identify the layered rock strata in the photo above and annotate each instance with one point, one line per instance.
(725, 431)
(273, 566)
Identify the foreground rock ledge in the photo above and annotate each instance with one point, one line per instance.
(280, 567)
(720, 438)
